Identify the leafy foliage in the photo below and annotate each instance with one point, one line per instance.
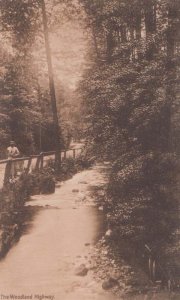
(129, 95)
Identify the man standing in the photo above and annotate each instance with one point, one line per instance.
(13, 152)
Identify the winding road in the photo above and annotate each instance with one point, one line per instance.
(57, 238)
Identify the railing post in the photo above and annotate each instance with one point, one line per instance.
(37, 163)
(60, 158)
(29, 165)
(41, 160)
(154, 270)
(7, 172)
(74, 153)
(149, 267)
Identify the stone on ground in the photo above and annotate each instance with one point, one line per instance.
(109, 283)
(81, 270)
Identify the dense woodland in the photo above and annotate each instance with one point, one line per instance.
(131, 107)
(25, 107)
(133, 117)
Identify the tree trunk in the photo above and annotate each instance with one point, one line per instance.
(109, 40)
(150, 25)
(95, 43)
(171, 69)
(57, 132)
(138, 31)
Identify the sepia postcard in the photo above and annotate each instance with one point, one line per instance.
(89, 149)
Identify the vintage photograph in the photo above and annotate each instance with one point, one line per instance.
(89, 149)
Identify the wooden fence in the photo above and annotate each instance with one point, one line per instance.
(9, 168)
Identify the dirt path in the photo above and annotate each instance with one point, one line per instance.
(58, 239)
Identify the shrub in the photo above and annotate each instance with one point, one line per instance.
(39, 181)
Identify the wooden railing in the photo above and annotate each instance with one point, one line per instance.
(11, 168)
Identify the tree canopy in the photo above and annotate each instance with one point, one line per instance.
(24, 96)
